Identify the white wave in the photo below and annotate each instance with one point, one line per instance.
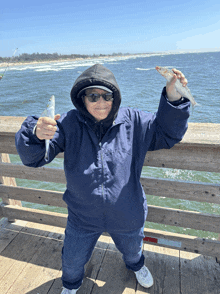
(138, 68)
(63, 65)
(68, 66)
(47, 69)
(21, 68)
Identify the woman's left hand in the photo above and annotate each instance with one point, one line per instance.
(172, 93)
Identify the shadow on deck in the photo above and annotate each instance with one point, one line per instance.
(30, 262)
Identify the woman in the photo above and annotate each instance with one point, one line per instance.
(104, 149)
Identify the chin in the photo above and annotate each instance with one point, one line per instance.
(100, 118)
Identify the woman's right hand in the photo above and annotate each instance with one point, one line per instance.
(46, 127)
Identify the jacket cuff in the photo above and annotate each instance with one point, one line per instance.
(177, 102)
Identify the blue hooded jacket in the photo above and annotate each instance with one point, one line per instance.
(103, 160)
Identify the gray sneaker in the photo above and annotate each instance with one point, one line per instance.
(67, 291)
(144, 277)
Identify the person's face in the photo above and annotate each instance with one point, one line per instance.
(100, 109)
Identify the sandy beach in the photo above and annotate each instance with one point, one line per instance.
(5, 64)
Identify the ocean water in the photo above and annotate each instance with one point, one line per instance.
(25, 90)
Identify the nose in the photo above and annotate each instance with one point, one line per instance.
(101, 100)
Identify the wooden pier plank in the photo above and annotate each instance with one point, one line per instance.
(199, 274)
(8, 231)
(113, 277)
(92, 268)
(55, 288)
(8, 259)
(37, 267)
(163, 264)
(42, 269)
(16, 256)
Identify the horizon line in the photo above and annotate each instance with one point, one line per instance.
(120, 53)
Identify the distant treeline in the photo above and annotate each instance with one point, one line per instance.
(25, 57)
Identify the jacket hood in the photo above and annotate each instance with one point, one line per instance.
(96, 75)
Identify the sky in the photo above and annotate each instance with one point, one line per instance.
(108, 26)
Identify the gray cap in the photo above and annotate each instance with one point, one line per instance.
(93, 87)
(98, 87)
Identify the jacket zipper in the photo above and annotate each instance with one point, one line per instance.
(100, 145)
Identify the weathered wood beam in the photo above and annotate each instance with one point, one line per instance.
(7, 144)
(184, 218)
(201, 192)
(39, 196)
(44, 174)
(193, 191)
(184, 156)
(198, 150)
(35, 215)
(182, 242)
(167, 216)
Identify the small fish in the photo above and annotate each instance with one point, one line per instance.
(49, 112)
(184, 91)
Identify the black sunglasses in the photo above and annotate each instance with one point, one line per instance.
(94, 97)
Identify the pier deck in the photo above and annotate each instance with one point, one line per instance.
(30, 262)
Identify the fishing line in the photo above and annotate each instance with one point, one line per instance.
(8, 64)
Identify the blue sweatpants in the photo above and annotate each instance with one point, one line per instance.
(78, 247)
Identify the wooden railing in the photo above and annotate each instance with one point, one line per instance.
(199, 151)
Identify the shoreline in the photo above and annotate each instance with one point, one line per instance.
(5, 64)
